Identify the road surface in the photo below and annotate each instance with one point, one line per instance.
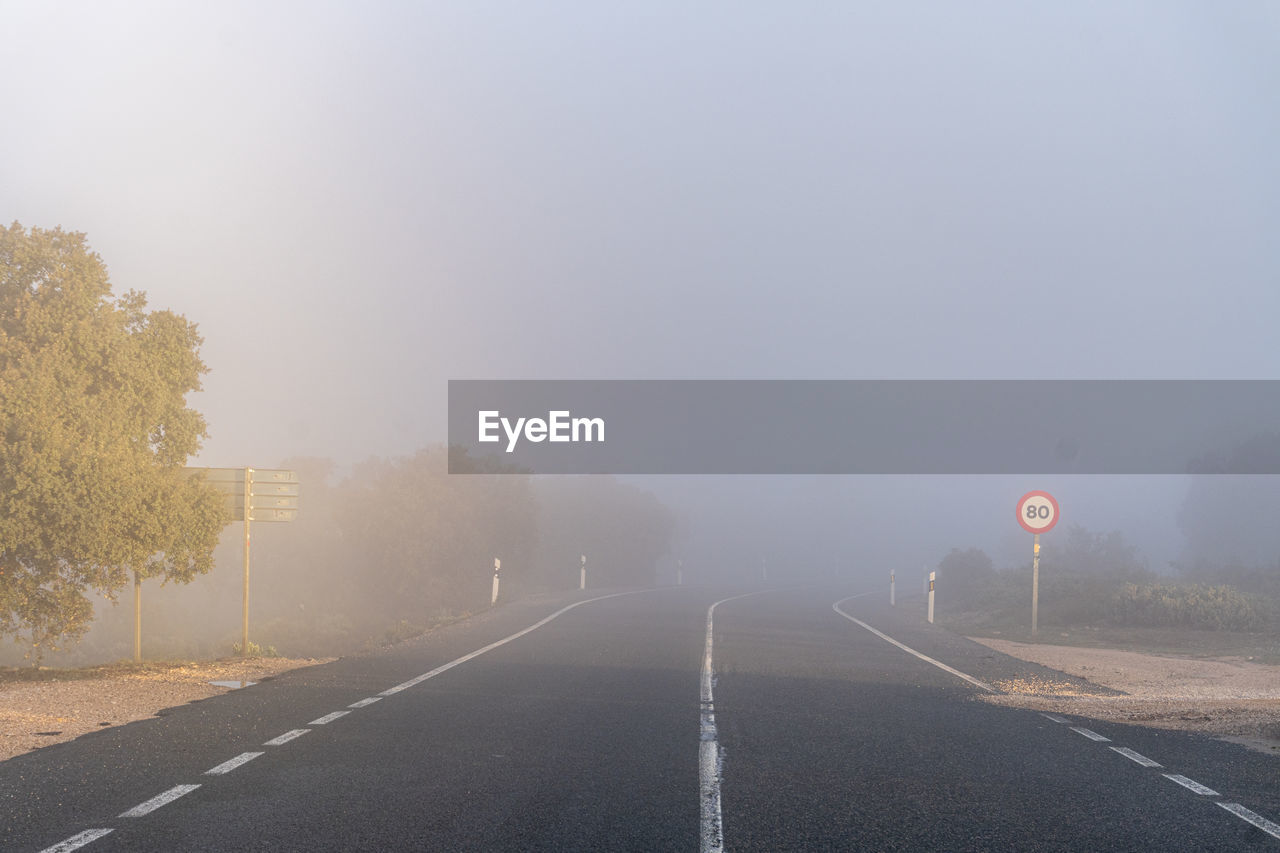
(623, 723)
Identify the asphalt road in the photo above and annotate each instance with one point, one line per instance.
(600, 730)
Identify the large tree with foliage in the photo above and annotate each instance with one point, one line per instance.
(96, 432)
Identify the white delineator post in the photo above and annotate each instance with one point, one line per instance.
(932, 577)
(892, 602)
(497, 567)
(582, 577)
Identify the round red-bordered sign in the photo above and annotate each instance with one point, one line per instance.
(1037, 512)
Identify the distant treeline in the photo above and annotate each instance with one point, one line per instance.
(96, 436)
(1099, 579)
(387, 551)
(399, 544)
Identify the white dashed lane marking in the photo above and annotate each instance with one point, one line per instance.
(280, 740)
(1135, 756)
(1254, 818)
(1055, 718)
(227, 766)
(1191, 785)
(77, 841)
(328, 718)
(159, 800)
(1090, 734)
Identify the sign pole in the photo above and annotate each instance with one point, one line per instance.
(1035, 585)
(1037, 513)
(137, 617)
(248, 493)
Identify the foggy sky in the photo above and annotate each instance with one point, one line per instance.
(357, 202)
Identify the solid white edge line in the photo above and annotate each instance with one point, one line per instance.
(328, 718)
(710, 758)
(159, 800)
(939, 664)
(227, 766)
(390, 691)
(1254, 818)
(1090, 734)
(1054, 718)
(1191, 785)
(364, 703)
(281, 740)
(1135, 756)
(77, 841)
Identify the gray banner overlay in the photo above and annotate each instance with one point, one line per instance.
(866, 426)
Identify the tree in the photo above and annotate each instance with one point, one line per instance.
(966, 571)
(96, 432)
(1102, 555)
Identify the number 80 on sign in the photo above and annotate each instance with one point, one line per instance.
(1037, 512)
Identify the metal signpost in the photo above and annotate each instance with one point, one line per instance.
(254, 494)
(1037, 513)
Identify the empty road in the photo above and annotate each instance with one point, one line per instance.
(670, 719)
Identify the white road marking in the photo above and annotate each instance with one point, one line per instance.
(1090, 734)
(328, 718)
(77, 841)
(1135, 756)
(280, 740)
(939, 664)
(710, 757)
(1055, 718)
(1254, 818)
(390, 691)
(227, 766)
(159, 800)
(1191, 785)
(364, 703)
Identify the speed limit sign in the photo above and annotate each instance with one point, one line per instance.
(1037, 512)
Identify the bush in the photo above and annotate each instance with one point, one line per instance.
(1216, 608)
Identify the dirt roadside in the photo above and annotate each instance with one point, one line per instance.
(1231, 697)
(36, 713)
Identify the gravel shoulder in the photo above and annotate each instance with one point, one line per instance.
(61, 707)
(1231, 697)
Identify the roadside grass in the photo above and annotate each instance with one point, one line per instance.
(1007, 616)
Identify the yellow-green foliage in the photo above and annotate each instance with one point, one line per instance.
(1219, 608)
(96, 431)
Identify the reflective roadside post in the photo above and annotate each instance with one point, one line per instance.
(497, 567)
(933, 576)
(582, 577)
(892, 602)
